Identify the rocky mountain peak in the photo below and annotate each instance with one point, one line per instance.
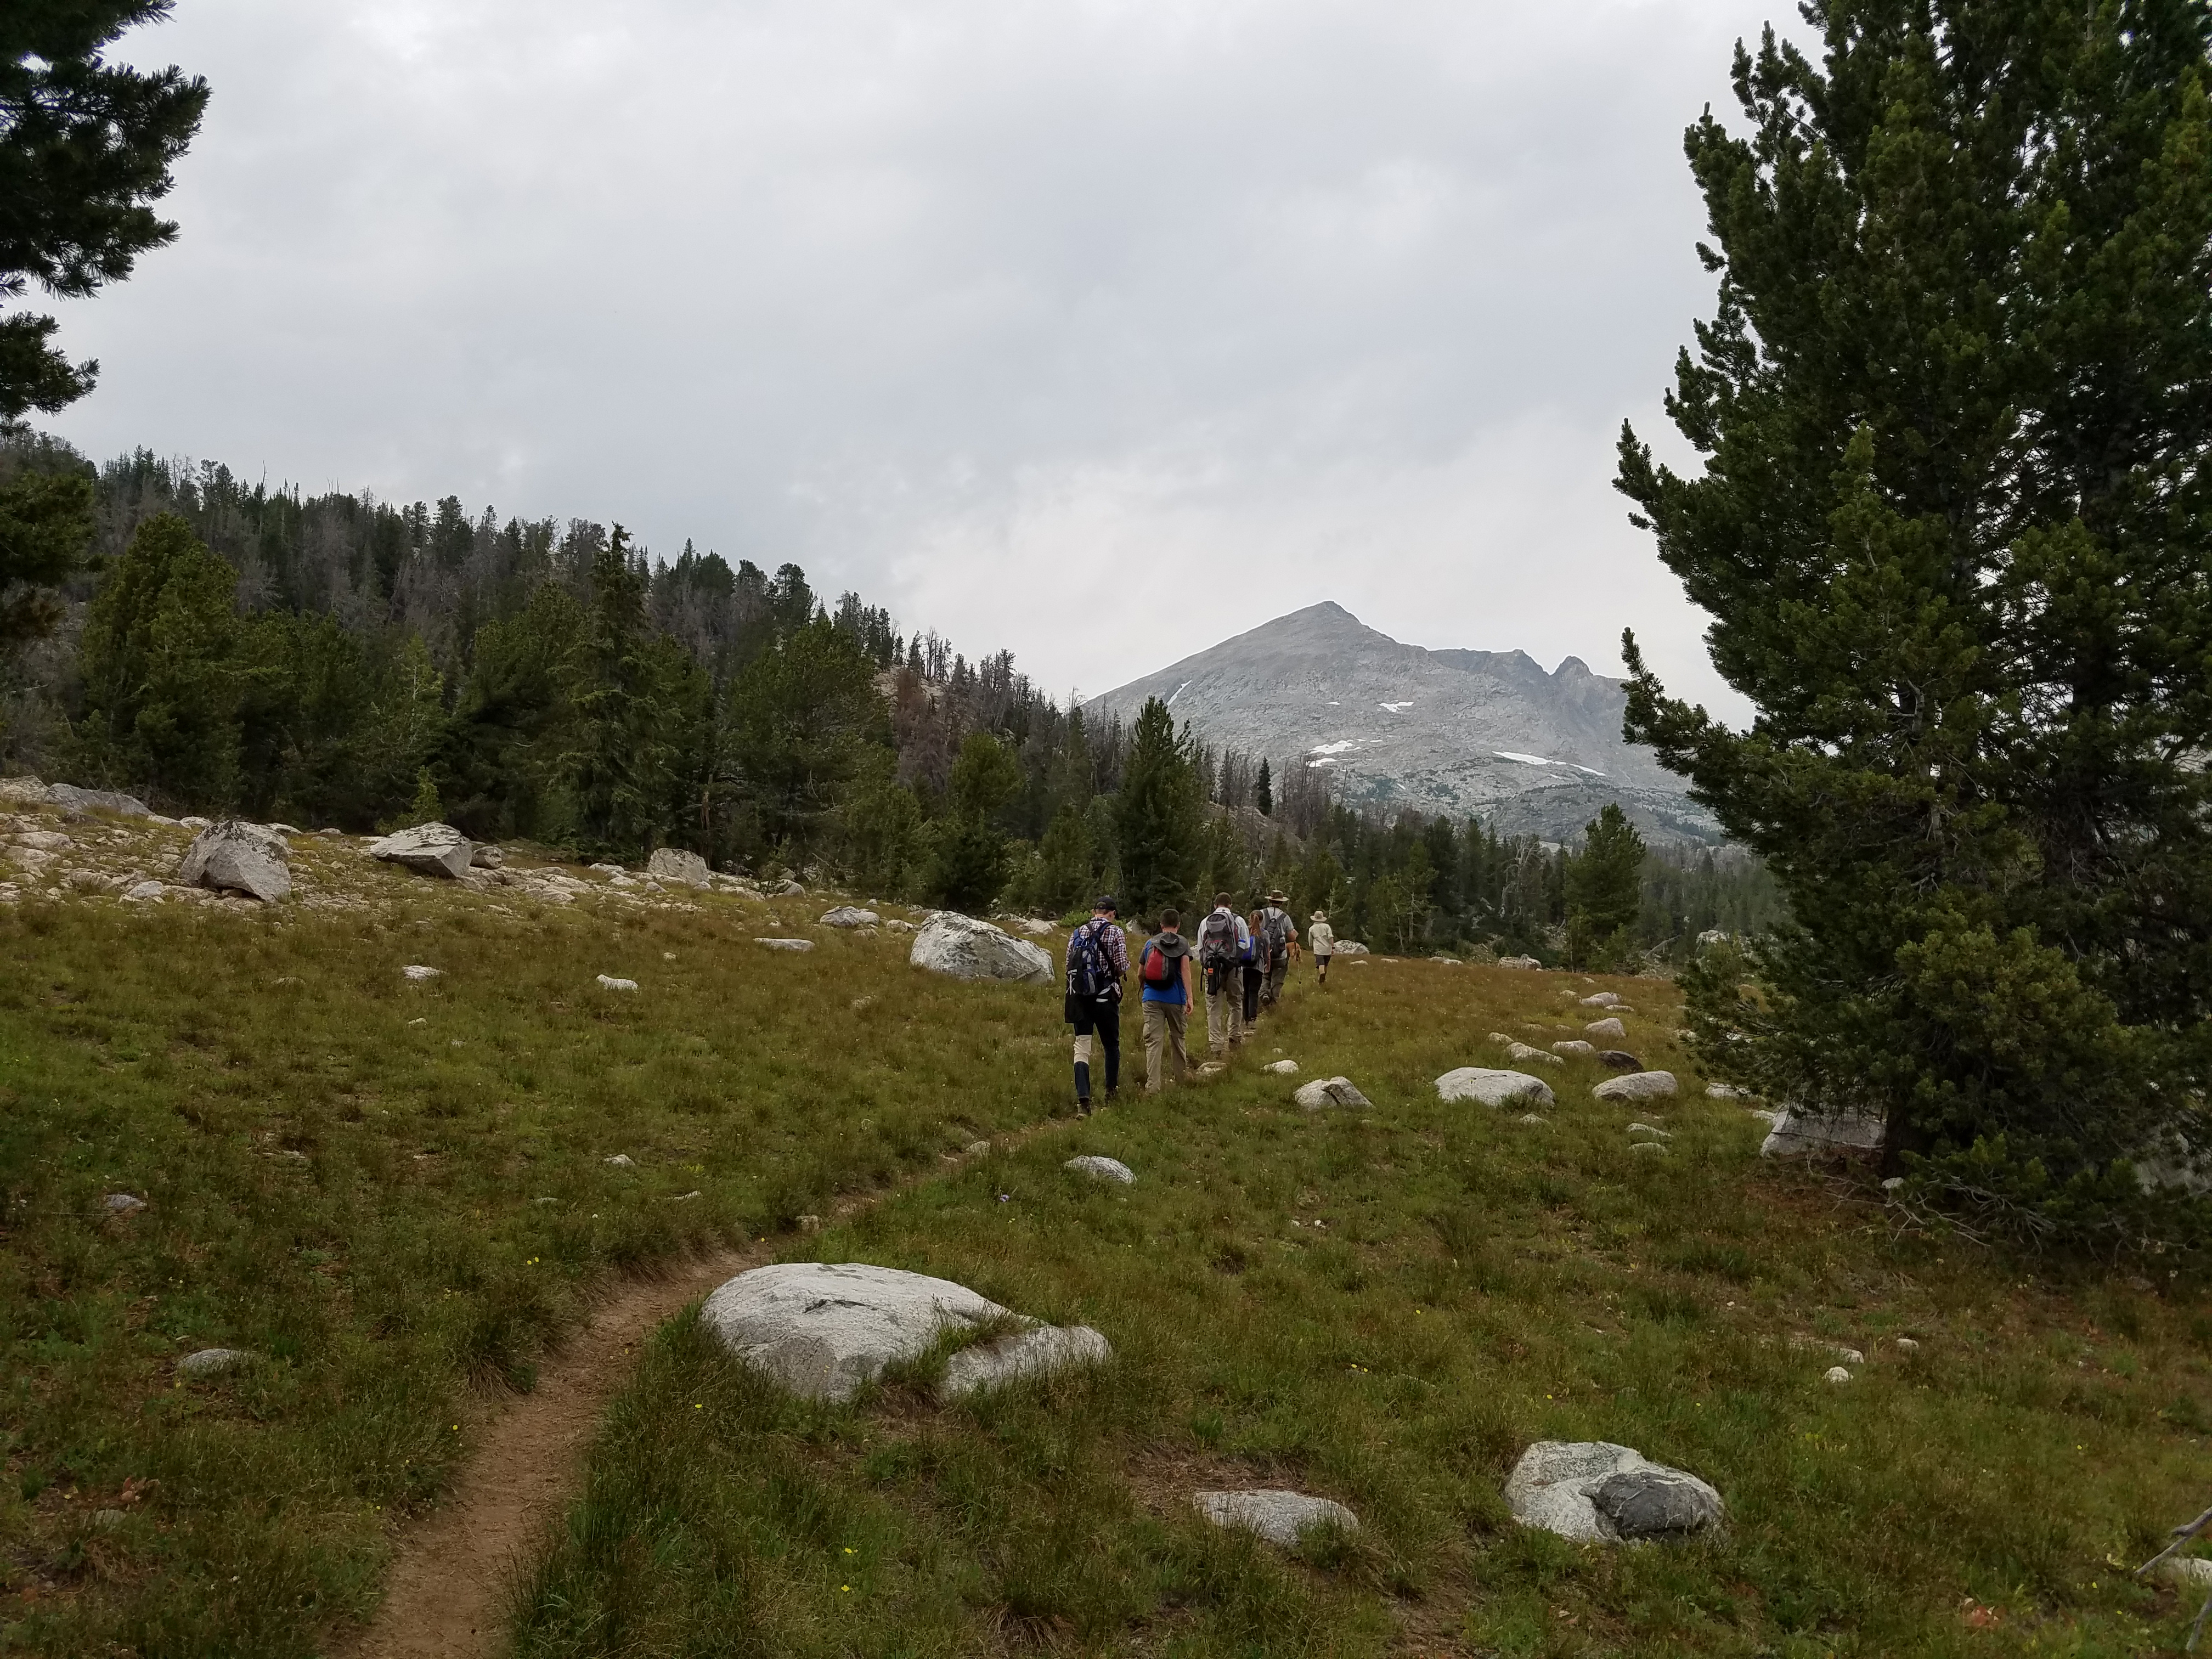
(1460, 731)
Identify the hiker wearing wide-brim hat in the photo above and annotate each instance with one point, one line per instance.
(1321, 937)
(1280, 935)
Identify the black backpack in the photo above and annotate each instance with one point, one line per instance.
(1089, 979)
(1217, 939)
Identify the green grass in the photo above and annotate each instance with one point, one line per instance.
(392, 1194)
(1475, 1284)
(1478, 1283)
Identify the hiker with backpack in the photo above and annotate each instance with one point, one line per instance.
(1097, 963)
(1164, 969)
(1252, 970)
(1278, 943)
(1321, 938)
(1224, 942)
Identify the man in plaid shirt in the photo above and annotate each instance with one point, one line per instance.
(1097, 963)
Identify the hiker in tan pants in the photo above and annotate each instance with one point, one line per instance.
(1164, 969)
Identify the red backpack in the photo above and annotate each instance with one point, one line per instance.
(1160, 970)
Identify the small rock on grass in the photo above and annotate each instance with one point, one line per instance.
(1838, 1374)
(607, 983)
(1595, 1493)
(787, 944)
(1280, 1517)
(1605, 1027)
(211, 1362)
(1576, 1047)
(1102, 1169)
(1638, 1085)
(824, 1329)
(1283, 1068)
(1650, 1129)
(1619, 1059)
(416, 970)
(2189, 1573)
(1324, 1092)
(124, 1203)
(1531, 1117)
(1494, 1088)
(847, 915)
(1603, 1000)
(620, 1161)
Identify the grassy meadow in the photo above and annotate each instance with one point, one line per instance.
(394, 1195)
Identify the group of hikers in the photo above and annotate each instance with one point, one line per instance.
(1241, 961)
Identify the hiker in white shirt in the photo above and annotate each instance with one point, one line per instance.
(1321, 940)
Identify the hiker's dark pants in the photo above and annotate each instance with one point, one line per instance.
(1101, 1020)
(1255, 977)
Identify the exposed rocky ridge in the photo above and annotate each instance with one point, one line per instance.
(1455, 732)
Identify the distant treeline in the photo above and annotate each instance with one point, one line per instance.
(338, 659)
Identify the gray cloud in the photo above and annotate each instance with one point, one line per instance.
(1097, 330)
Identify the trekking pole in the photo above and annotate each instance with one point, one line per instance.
(2182, 1535)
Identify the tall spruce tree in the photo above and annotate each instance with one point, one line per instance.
(1953, 525)
(1157, 816)
(617, 758)
(162, 685)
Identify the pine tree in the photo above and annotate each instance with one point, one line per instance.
(970, 865)
(1156, 818)
(85, 144)
(615, 761)
(162, 678)
(1953, 526)
(1263, 793)
(1604, 889)
(46, 525)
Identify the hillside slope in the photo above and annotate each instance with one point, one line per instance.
(1452, 731)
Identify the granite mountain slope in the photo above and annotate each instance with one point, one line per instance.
(1485, 732)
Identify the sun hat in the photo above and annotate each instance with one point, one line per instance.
(1318, 915)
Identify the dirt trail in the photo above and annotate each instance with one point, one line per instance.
(445, 1597)
(445, 1594)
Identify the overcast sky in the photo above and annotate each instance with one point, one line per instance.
(1099, 329)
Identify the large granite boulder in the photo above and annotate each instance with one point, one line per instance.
(1323, 1092)
(1800, 1134)
(1350, 947)
(241, 857)
(1280, 1517)
(1638, 1085)
(824, 1329)
(1494, 1088)
(965, 948)
(1595, 1493)
(427, 849)
(686, 869)
(97, 801)
(847, 915)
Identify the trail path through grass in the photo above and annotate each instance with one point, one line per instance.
(446, 1589)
